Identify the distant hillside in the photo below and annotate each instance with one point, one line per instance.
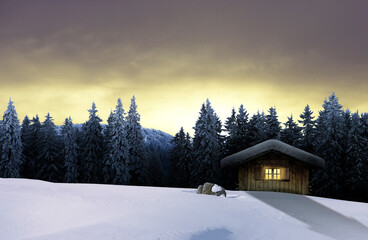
(151, 136)
(157, 138)
(158, 144)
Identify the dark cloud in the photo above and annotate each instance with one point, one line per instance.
(134, 46)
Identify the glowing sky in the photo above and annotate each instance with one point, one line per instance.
(59, 56)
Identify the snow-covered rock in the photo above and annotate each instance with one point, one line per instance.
(200, 189)
(211, 189)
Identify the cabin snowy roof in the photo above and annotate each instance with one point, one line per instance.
(268, 146)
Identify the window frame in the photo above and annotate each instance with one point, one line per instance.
(274, 173)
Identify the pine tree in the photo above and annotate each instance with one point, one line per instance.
(31, 148)
(120, 147)
(181, 159)
(155, 166)
(273, 124)
(231, 144)
(206, 146)
(257, 129)
(26, 168)
(138, 165)
(49, 166)
(70, 152)
(328, 181)
(107, 170)
(11, 144)
(364, 124)
(364, 134)
(92, 148)
(347, 125)
(242, 137)
(291, 134)
(354, 185)
(308, 130)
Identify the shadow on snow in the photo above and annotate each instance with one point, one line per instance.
(320, 219)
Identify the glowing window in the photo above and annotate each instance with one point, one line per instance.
(273, 173)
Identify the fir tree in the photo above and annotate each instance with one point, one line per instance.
(328, 181)
(206, 145)
(155, 166)
(48, 149)
(273, 124)
(137, 164)
(107, 170)
(231, 144)
(27, 168)
(308, 130)
(257, 129)
(11, 144)
(120, 147)
(354, 186)
(364, 124)
(347, 125)
(70, 152)
(181, 159)
(92, 148)
(291, 134)
(31, 148)
(242, 137)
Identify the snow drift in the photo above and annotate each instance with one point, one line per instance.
(31, 209)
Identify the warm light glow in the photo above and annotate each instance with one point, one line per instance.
(273, 174)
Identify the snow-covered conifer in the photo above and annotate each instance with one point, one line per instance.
(26, 168)
(92, 148)
(291, 134)
(119, 147)
(155, 166)
(308, 129)
(273, 124)
(70, 152)
(242, 129)
(206, 145)
(107, 171)
(48, 160)
(137, 164)
(356, 155)
(231, 145)
(257, 129)
(328, 181)
(11, 144)
(181, 160)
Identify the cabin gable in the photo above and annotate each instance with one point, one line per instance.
(273, 166)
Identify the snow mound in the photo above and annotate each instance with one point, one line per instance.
(216, 188)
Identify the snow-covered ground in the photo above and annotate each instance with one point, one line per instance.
(31, 209)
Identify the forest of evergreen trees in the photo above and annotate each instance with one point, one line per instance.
(116, 153)
(337, 135)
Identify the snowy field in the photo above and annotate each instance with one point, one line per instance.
(31, 209)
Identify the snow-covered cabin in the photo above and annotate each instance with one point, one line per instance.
(273, 166)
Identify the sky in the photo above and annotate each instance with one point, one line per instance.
(60, 56)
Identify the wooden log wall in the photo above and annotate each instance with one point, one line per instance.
(252, 174)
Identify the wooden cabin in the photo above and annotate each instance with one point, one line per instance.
(273, 166)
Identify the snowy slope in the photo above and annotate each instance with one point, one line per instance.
(150, 135)
(32, 209)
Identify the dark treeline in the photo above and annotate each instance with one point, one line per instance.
(93, 153)
(117, 153)
(338, 136)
